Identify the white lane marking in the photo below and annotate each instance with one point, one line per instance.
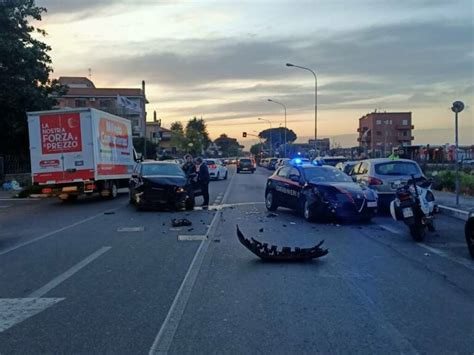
(20, 199)
(165, 336)
(464, 262)
(68, 273)
(16, 310)
(5, 206)
(390, 229)
(190, 237)
(131, 229)
(34, 240)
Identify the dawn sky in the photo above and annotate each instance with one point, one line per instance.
(222, 60)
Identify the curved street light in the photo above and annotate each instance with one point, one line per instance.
(315, 102)
(279, 103)
(271, 133)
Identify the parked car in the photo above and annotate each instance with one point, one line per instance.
(245, 164)
(385, 176)
(333, 161)
(264, 162)
(217, 170)
(319, 192)
(271, 163)
(281, 162)
(469, 232)
(346, 166)
(160, 183)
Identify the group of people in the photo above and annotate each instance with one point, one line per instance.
(197, 172)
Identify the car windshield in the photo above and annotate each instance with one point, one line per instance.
(397, 168)
(162, 169)
(333, 161)
(245, 160)
(325, 174)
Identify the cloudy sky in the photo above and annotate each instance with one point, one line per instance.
(222, 60)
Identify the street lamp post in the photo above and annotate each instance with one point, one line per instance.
(271, 134)
(457, 107)
(315, 103)
(279, 103)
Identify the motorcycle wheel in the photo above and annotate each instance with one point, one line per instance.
(417, 232)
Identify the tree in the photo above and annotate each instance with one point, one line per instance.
(229, 147)
(139, 145)
(178, 139)
(24, 73)
(197, 136)
(256, 149)
(278, 136)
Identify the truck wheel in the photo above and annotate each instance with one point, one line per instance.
(113, 191)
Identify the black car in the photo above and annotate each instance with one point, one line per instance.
(469, 233)
(245, 164)
(319, 192)
(161, 184)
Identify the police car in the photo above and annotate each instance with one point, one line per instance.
(319, 192)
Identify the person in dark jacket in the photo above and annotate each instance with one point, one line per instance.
(188, 167)
(203, 179)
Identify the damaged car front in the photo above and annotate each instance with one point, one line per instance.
(160, 184)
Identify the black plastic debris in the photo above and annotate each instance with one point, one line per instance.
(109, 212)
(263, 251)
(271, 214)
(284, 225)
(180, 222)
(261, 230)
(190, 229)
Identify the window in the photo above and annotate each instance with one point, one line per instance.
(405, 122)
(162, 169)
(397, 168)
(364, 168)
(283, 172)
(80, 103)
(379, 133)
(378, 122)
(294, 172)
(405, 133)
(105, 104)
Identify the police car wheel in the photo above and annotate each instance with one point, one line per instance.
(307, 213)
(270, 202)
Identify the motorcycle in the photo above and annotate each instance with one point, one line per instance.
(414, 204)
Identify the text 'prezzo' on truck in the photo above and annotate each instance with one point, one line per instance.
(80, 151)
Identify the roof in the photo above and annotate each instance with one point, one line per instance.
(65, 80)
(105, 92)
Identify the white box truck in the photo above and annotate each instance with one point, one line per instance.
(80, 151)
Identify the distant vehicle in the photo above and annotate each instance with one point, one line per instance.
(333, 161)
(385, 176)
(468, 162)
(281, 162)
(160, 183)
(80, 151)
(319, 192)
(245, 164)
(264, 162)
(469, 233)
(346, 166)
(217, 170)
(271, 163)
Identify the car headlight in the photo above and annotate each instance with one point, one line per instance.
(180, 190)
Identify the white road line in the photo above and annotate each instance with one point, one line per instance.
(454, 209)
(191, 237)
(165, 336)
(41, 237)
(131, 229)
(67, 274)
(466, 263)
(452, 258)
(390, 229)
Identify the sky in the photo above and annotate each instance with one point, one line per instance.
(223, 60)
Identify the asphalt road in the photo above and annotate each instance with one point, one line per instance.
(96, 276)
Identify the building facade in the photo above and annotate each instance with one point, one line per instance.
(161, 136)
(381, 132)
(83, 93)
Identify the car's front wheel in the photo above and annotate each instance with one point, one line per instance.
(225, 176)
(308, 213)
(270, 201)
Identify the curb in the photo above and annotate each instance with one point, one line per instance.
(454, 212)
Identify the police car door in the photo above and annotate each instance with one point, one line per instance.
(282, 186)
(294, 187)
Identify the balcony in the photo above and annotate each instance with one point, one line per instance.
(405, 126)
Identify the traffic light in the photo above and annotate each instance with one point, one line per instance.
(244, 134)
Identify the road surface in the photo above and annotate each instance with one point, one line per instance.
(97, 276)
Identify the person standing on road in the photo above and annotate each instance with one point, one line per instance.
(203, 179)
(188, 166)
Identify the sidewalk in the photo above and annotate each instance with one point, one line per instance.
(447, 204)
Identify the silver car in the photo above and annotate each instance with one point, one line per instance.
(385, 176)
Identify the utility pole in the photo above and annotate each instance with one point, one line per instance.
(457, 107)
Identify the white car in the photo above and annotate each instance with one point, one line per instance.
(217, 170)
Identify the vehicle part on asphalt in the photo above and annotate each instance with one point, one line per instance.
(285, 254)
(180, 222)
(270, 215)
